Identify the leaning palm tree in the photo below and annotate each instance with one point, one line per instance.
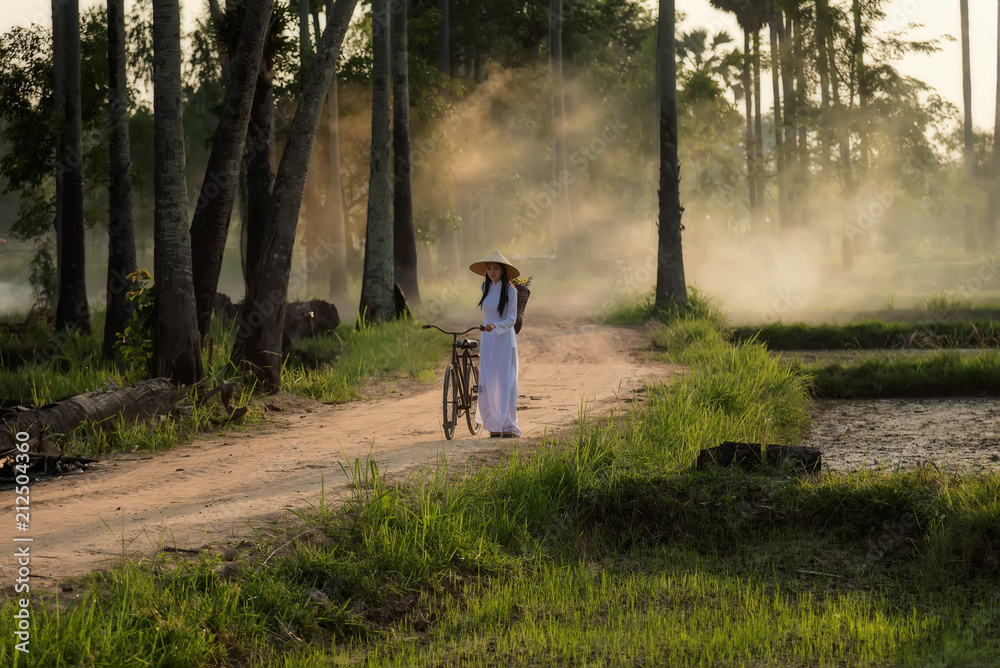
(210, 225)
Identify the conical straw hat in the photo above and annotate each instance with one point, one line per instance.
(480, 266)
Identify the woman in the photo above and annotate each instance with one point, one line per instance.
(497, 406)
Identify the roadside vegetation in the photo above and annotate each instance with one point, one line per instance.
(606, 547)
(41, 368)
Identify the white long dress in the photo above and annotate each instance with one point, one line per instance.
(497, 407)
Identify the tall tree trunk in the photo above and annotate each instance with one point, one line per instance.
(562, 221)
(802, 156)
(970, 154)
(761, 213)
(310, 213)
(335, 219)
(377, 281)
(791, 172)
(121, 233)
(258, 339)
(750, 142)
(670, 284)
(859, 68)
(990, 231)
(210, 227)
(72, 311)
(823, 67)
(258, 163)
(176, 344)
(779, 148)
(403, 236)
(448, 247)
(840, 126)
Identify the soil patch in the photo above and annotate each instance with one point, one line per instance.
(958, 435)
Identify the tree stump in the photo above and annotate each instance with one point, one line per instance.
(751, 456)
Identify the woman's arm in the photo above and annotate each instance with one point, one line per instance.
(510, 313)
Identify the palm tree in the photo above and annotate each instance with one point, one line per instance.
(334, 210)
(121, 234)
(404, 239)
(562, 216)
(258, 339)
(210, 226)
(176, 344)
(970, 154)
(71, 310)
(751, 17)
(377, 280)
(670, 285)
(990, 232)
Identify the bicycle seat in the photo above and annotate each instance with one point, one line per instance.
(467, 344)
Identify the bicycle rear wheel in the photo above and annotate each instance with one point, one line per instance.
(472, 385)
(450, 402)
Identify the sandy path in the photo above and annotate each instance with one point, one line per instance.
(214, 490)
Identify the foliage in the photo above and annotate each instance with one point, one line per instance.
(873, 334)
(43, 276)
(135, 342)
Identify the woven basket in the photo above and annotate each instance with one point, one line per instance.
(522, 300)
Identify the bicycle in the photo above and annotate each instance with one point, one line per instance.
(461, 382)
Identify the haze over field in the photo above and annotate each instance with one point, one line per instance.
(487, 162)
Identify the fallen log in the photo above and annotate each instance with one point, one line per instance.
(753, 456)
(148, 398)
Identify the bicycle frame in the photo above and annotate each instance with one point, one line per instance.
(462, 371)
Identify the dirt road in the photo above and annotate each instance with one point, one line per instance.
(214, 490)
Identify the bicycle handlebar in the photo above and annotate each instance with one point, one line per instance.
(479, 327)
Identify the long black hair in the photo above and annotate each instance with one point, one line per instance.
(504, 282)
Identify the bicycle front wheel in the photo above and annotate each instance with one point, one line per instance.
(450, 401)
(472, 385)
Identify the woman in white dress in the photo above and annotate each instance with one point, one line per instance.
(497, 406)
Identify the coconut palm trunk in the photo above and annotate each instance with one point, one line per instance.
(377, 281)
(990, 229)
(210, 226)
(121, 232)
(562, 216)
(176, 344)
(970, 154)
(72, 311)
(670, 284)
(334, 210)
(258, 338)
(404, 236)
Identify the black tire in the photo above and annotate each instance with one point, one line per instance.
(450, 402)
(472, 384)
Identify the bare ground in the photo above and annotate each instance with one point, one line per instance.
(216, 490)
(957, 435)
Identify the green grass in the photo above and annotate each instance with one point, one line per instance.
(873, 334)
(341, 368)
(943, 374)
(608, 548)
(337, 368)
(643, 310)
